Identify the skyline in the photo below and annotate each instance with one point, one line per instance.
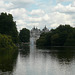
(38, 13)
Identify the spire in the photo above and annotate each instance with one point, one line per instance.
(45, 27)
(34, 27)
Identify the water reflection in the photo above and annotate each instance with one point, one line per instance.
(24, 50)
(34, 61)
(62, 54)
(51, 61)
(7, 62)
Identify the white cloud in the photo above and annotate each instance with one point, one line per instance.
(21, 24)
(11, 4)
(22, 3)
(63, 0)
(39, 16)
(20, 16)
(58, 18)
(37, 19)
(46, 17)
(64, 9)
(19, 12)
(37, 12)
(73, 4)
(43, 15)
(25, 1)
(33, 24)
(6, 5)
(66, 14)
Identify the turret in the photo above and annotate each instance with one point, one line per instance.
(45, 29)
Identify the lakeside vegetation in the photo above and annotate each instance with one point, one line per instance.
(6, 43)
(8, 26)
(9, 35)
(63, 35)
(8, 59)
(24, 35)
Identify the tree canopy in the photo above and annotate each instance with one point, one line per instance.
(6, 43)
(24, 35)
(63, 35)
(8, 26)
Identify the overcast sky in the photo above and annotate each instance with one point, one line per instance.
(38, 13)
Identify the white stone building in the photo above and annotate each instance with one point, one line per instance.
(45, 29)
(35, 33)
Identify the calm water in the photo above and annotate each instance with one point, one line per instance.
(33, 61)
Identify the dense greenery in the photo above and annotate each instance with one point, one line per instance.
(24, 35)
(7, 59)
(8, 34)
(8, 26)
(8, 39)
(6, 44)
(64, 35)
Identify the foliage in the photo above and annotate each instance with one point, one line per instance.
(24, 35)
(8, 26)
(6, 44)
(71, 39)
(44, 39)
(8, 59)
(64, 35)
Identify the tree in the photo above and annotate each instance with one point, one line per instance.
(41, 41)
(63, 35)
(8, 26)
(70, 41)
(60, 34)
(55, 39)
(44, 40)
(6, 43)
(24, 35)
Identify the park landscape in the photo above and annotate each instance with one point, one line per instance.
(37, 37)
(36, 52)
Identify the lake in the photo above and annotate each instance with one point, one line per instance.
(33, 61)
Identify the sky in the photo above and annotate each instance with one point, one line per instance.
(38, 13)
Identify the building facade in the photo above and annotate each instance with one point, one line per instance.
(35, 32)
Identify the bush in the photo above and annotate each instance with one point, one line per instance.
(6, 44)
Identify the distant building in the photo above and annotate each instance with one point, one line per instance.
(35, 32)
(45, 29)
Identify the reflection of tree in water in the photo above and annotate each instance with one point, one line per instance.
(8, 61)
(25, 50)
(64, 54)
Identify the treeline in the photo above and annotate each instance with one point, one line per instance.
(8, 33)
(9, 36)
(63, 35)
(8, 26)
(6, 43)
(24, 35)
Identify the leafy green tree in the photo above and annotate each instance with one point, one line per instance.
(24, 35)
(41, 42)
(6, 44)
(60, 34)
(8, 26)
(55, 39)
(63, 35)
(70, 41)
(44, 40)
